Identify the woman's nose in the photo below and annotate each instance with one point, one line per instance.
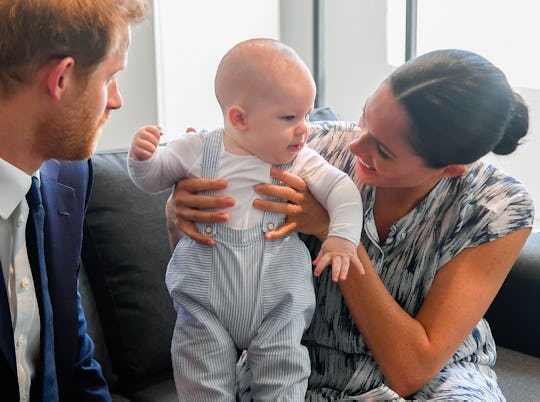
(360, 143)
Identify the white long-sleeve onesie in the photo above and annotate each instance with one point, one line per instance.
(181, 158)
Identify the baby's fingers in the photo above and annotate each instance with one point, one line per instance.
(337, 266)
(321, 262)
(343, 270)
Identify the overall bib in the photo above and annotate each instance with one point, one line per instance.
(244, 293)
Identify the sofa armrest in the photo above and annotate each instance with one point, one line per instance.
(514, 315)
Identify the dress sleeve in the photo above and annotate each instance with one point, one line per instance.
(491, 205)
(510, 208)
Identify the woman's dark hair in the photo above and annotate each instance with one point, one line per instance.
(460, 107)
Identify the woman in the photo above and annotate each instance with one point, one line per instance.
(442, 230)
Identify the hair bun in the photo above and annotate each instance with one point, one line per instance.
(516, 129)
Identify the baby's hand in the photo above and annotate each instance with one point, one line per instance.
(341, 254)
(145, 143)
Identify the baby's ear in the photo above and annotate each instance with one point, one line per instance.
(238, 118)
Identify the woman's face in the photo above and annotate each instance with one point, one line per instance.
(384, 157)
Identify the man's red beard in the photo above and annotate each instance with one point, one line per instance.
(73, 136)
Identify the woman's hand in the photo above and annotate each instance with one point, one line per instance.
(175, 234)
(185, 206)
(304, 213)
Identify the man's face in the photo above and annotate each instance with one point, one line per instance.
(73, 132)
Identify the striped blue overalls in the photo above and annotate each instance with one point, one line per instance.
(244, 293)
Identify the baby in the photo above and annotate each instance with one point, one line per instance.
(246, 293)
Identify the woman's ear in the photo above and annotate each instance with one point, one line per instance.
(238, 118)
(58, 74)
(453, 171)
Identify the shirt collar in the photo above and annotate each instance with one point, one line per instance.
(14, 184)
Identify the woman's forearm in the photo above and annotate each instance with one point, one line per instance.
(412, 350)
(399, 343)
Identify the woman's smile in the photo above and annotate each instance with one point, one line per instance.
(364, 167)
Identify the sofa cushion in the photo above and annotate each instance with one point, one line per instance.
(514, 315)
(518, 374)
(125, 255)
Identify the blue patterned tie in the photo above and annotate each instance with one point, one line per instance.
(36, 254)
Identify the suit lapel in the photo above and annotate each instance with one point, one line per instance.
(59, 230)
(62, 232)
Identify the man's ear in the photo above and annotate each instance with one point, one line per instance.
(453, 171)
(58, 75)
(237, 118)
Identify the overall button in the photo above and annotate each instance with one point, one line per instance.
(270, 226)
(208, 229)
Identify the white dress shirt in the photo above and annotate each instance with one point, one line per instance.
(17, 273)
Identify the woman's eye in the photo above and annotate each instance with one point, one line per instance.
(383, 154)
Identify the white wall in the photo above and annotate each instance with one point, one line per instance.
(355, 46)
(172, 61)
(296, 28)
(192, 38)
(194, 35)
(178, 92)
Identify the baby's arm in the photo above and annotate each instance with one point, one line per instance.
(145, 143)
(341, 254)
(155, 168)
(339, 195)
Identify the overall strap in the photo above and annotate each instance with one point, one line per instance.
(273, 220)
(212, 146)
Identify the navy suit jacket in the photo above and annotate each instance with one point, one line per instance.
(65, 189)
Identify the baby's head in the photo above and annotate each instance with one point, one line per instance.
(265, 91)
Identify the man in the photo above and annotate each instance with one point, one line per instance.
(58, 60)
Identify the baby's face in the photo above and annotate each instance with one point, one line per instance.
(277, 122)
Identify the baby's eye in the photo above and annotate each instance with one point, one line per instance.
(362, 121)
(288, 117)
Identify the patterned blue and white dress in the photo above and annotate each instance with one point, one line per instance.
(466, 211)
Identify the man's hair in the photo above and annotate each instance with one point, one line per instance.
(34, 32)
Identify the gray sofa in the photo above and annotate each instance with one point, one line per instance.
(131, 318)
